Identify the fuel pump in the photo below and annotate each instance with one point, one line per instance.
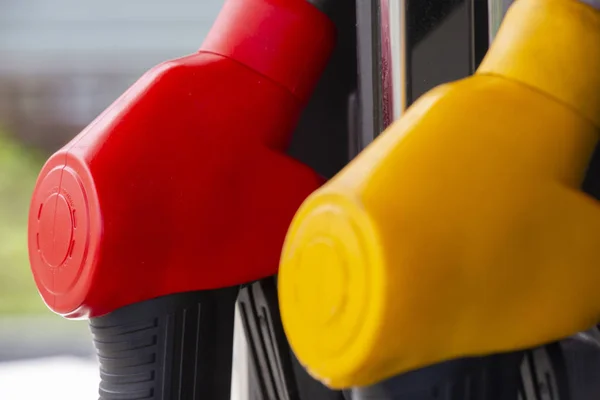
(150, 219)
(162, 325)
(451, 234)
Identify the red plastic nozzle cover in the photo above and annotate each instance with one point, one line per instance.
(183, 183)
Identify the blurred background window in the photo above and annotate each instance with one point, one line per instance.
(61, 63)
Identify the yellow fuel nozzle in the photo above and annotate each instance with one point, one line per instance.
(461, 230)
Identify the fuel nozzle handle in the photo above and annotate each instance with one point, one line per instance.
(180, 192)
(462, 230)
(183, 183)
(171, 347)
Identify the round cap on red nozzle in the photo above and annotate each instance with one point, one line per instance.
(59, 237)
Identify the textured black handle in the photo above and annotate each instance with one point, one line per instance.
(488, 378)
(169, 348)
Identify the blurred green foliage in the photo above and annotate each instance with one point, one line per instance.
(19, 167)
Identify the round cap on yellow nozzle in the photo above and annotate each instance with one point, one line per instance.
(461, 230)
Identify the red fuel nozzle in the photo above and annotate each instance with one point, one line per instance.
(183, 183)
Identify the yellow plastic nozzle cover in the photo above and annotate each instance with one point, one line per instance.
(461, 231)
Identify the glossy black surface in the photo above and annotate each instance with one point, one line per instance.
(321, 137)
(443, 42)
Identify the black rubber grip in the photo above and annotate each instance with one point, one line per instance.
(169, 348)
(489, 378)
